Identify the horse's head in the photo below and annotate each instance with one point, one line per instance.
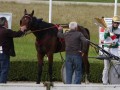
(27, 19)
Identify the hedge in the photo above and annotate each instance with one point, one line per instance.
(27, 71)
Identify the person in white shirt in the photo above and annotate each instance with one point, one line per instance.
(111, 41)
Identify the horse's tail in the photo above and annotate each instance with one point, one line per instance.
(88, 33)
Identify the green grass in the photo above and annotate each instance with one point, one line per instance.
(84, 15)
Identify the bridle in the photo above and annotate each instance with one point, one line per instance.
(28, 32)
(30, 20)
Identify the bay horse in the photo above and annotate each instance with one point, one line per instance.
(47, 42)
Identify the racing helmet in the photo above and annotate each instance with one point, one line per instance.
(116, 19)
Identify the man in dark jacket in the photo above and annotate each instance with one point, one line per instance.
(7, 47)
(74, 51)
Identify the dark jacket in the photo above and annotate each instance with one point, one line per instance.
(6, 40)
(74, 40)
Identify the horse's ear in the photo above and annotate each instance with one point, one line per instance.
(25, 11)
(32, 13)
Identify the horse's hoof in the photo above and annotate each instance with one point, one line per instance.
(51, 83)
(37, 82)
(87, 82)
(46, 83)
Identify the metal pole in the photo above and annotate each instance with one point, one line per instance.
(115, 8)
(50, 11)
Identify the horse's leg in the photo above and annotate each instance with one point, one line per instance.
(86, 68)
(40, 65)
(50, 60)
(50, 53)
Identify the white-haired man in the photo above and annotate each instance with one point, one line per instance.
(73, 40)
(111, 39)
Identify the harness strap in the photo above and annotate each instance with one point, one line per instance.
(28, 32)
(57, 25)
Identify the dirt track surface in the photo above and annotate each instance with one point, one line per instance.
(59, 2)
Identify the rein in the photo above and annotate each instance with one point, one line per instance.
(28, 32)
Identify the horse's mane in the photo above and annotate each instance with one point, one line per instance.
(84, 31)
(40, 24)
(43, 28)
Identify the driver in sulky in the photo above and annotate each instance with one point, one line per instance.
(111, 43)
